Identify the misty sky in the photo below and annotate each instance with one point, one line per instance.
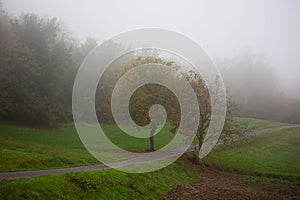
(270, 27)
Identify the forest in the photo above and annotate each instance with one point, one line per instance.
(39, 59)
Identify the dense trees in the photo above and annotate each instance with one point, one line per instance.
(39, 61)
(254, 86)
(37, 70)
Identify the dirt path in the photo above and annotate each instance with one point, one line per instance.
(221, 184)
(152, 157)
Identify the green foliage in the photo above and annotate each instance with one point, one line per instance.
(142, 99)
(38, 63)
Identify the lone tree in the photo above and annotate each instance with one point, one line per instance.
(148, 95)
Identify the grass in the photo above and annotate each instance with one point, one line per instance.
(108, 184)
(258, 124)
(23, 148)
(67, 137)
(275, 180)
(272, 153)
(17, 156)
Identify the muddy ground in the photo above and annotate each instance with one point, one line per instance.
(220, 183)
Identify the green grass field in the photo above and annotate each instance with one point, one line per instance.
(108, 184)
(22, 156)
(28, 149)
(67, 137)
(272, 153)
(24, 148)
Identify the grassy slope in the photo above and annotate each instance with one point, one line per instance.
(21, 156)
(273, 153)
(40, 145)
(109, 184)
(258, 124)
(28, 149)
(67, 137)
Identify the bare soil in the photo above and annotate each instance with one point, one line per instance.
(218, 183)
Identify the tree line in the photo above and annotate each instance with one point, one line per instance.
(255, 88)
(38, 63)
(39, 59)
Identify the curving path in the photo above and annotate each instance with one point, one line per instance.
(150, 158)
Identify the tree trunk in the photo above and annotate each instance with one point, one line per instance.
(200, 139)
(200, 143)
(152, 131)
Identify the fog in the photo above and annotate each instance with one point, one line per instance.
(270, 28)
(254, 43)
